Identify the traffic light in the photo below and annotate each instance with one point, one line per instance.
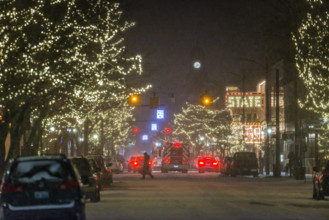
(135, 99)
(168, 130)
(136, 130)
(154, 102)
(206, 100)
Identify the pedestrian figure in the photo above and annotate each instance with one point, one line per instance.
(291, 157)
(146, 167)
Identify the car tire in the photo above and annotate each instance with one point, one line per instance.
(96, 197)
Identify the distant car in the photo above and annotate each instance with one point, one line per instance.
(89, 178)
(114, 164)
(106, 177)
(42, 187)
(208, 163)
(136, 163)
(244, 163)
(156, 163)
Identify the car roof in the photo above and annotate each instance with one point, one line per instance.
(41, 157)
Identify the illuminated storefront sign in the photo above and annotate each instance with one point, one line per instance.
(254, 132)
(249, 101)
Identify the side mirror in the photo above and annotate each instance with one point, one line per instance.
(315, 169)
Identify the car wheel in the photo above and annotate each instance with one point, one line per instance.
(96, 197)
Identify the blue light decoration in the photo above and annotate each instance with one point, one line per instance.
(154, 127)
(145, 137)
(160, 114)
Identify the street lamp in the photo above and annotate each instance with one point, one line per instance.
(197, 64)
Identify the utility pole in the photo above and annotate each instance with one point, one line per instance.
(277, 172)
(243, 107)
(268, 120)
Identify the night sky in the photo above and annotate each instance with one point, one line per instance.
(171, 34)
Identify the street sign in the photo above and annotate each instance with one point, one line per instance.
(160, 114)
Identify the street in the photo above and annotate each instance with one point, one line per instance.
(207, 196)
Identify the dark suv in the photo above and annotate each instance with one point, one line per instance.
(42, 187)
(89, 178)
(244, 163)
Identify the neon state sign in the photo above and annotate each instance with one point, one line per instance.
(249, 101)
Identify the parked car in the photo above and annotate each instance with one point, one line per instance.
(208, 163)
(105, 173)
(42, 187)
(89, 178)
(244, 163)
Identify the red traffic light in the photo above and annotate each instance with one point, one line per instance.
(168, 130)
(136, 130)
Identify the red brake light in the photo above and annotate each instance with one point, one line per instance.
(201, 163)
(215, 163)
(135, 163)
(167, 160)
(208, 158)
(150, 162)
(68, 185)
(11, 188)
(177, 144)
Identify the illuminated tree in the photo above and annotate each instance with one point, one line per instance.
(312, 61)
(196, 122)
(61, 62)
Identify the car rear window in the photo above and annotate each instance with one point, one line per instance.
(245, 155)
(33, 171)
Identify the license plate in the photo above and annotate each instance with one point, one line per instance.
(175, 166)
(41, 195)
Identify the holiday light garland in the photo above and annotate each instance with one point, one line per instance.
(66, 58)
(196, 121)
(312, 61)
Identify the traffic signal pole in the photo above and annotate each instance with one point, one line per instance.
(277, 172)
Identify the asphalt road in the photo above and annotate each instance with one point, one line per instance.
(207, 196)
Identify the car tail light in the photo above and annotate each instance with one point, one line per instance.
(201, 163)
(208, 158)
(177, 144)
(167, 160)
(135, 163)
(215, 164)
(150, 162)
(11, 188)
(68, 185)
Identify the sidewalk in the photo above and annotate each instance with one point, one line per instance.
(308, 177)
